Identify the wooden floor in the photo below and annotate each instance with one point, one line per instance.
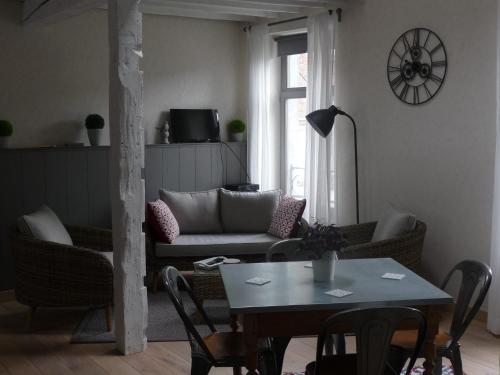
(46, 350)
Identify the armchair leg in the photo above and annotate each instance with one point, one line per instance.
(109, 318)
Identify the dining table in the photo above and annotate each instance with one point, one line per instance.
(292, 304)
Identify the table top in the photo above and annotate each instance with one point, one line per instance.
(292, 287)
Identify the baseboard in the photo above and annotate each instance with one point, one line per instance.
(7, 295)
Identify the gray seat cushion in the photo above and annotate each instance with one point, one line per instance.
(43, 224)
(209, 245)
(248, 212)
(196, 212)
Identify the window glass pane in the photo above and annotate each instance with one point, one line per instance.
(295, 110)
(297, 70)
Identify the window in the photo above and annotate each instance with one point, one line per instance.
(293, 112)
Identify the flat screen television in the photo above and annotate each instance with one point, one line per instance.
(194, 125)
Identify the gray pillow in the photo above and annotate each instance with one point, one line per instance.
(393, 223)
(44, 225)
(248, 212)
(196, 212)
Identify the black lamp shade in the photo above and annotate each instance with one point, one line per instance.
(322, 120)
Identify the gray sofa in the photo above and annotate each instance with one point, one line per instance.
(215, 223)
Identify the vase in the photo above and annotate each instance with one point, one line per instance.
(4, 142)
(324, 268)
(95, 136)
(236, 137)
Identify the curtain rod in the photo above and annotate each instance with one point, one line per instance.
(338, 11)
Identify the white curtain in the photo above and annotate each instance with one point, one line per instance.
(320, 160)
(263, 109)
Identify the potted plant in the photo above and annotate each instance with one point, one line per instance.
(236, 130)
(94, 124)
(323, 243)
(6, 130)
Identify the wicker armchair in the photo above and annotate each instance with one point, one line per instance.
(406, 249)
(54, 275)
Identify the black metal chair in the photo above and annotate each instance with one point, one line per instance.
(218, 349)
(374, 329)
(476, 280)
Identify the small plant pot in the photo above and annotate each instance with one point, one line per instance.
(95, 137)
(324, 268)
(236, 137)
(4, 142)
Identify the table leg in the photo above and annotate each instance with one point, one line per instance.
(234, 323)
(251, 340)
(433, 317)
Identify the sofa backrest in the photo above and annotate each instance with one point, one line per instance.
(247, 212)
(222, 211)
(196, 212)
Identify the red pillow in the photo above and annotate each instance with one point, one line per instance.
(285, 222)
(162, 221)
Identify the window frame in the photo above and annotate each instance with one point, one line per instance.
(285, 94)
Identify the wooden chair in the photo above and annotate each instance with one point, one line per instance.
(374, 329)
(218, 349)
(476, 280)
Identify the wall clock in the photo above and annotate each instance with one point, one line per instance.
(416, 67)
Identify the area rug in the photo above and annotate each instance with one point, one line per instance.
(418, 370)
(164, 323)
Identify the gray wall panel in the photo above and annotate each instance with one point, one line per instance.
(33, 181)
(78, 195)
(154, 172)
(171, 174)
(56, 169)
(203, 167)
(187, 168)
(99, 200)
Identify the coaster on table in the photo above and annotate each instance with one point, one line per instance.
(338, 293)
(393, 276)
(258, 281)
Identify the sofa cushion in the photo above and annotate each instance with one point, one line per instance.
(196, 212)
(209, 245)
(247, 212)
(43, 224)
(162, 221)
(393, 223)
(285, 222)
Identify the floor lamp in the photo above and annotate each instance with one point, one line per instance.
(322, 121)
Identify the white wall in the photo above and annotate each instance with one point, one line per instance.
(51, 77)
(436, 159)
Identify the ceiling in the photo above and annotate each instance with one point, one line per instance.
(250, 11)
(240, 10)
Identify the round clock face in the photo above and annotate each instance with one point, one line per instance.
(416, 67)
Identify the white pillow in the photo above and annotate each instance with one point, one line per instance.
(393, 223)
(44, 225)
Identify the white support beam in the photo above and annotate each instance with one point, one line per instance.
(126, 166)
(50, 11)
(165, 11)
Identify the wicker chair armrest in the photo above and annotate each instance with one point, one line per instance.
(358, 233)
(51, 274)
(406, 249)
(98, 239)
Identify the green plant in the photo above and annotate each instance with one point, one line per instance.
(94, 121)
(6, 128)
(322, 238)
(236, 126)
